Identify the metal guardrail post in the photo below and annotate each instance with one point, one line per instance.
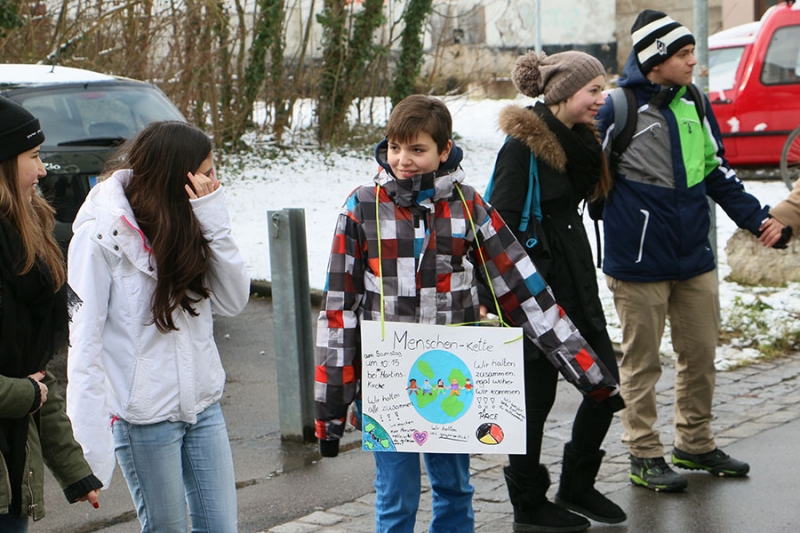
(294, 346)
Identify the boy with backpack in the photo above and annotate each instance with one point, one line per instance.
(659, 263)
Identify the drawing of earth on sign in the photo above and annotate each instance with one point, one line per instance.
(374, 438)
(440, 387)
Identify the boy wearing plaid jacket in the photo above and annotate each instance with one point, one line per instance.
(427, 271)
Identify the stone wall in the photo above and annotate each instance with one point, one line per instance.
(468, 65)
(753, 264)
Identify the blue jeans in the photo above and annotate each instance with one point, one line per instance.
(398, 487)
(169, 465)
(11, 523)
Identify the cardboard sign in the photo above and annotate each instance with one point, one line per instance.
(445, 389)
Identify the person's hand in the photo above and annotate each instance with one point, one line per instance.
(483, 312)
(38, 377)
(771, 232)
(91, 497)
(201, 185)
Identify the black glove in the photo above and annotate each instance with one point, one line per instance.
(613, 403)
(786, 235)
(329, 448)
(37, 396)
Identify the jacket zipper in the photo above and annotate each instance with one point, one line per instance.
(651, 128)
(33, 505)
(691, 123)
(646, 214)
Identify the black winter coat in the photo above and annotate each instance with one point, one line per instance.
(570, 273)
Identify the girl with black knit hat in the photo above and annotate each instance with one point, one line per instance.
(555, 136)
(35, 304)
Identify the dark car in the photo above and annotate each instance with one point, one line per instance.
(85, 116)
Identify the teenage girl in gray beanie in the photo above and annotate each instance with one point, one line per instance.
(556, 134)
(34, 323)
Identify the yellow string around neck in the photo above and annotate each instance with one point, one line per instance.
(380, 258)
(480, 255)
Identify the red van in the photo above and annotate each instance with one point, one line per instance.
(754, 85)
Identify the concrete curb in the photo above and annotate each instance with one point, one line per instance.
(260, 287)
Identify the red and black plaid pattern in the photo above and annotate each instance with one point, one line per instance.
(430, 265)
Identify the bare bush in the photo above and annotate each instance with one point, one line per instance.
(217, 58)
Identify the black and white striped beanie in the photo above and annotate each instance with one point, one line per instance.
(656, 37)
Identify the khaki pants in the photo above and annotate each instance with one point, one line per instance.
(692, 307)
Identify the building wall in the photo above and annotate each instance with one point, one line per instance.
(680, 10)
(736, 12)
(481, 39)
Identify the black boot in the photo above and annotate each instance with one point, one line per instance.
(577, 492)
(532, 511)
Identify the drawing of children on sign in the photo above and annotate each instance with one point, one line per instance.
(427, 388)
(448, 404)
(468, 385)
(412, 387)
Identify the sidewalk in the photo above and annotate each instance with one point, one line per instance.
(757, 419)
(288, 488)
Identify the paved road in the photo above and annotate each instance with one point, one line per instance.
(289, 489)
(276, 482)
(757, 419)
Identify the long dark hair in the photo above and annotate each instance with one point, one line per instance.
(161, 156)
(603, 187)
(33, 218)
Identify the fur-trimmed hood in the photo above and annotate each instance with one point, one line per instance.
(524, 124)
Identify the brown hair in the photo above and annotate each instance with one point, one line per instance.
(161, 156)
(34, 219)
(419, 113)
(603, 186)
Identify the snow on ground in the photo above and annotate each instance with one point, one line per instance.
(319, 182)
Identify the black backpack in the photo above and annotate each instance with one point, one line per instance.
(625, 118)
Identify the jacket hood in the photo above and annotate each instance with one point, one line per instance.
(632, 74)
(524, 124)
(110, 199)
(106, 209)
(422, 189)
(453, 160)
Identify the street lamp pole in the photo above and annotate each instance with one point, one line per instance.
(538, 41)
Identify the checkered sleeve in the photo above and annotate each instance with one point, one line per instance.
(338, 349)
(528, 302)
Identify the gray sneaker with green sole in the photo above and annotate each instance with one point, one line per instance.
(655, 474)
(716, 462)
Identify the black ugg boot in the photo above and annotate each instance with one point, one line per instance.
(576, 491)
(532, 511)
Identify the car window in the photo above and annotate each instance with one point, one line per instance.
(782, 62)
(722, 65)
(96, 115)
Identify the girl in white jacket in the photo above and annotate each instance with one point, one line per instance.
(151, 257)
